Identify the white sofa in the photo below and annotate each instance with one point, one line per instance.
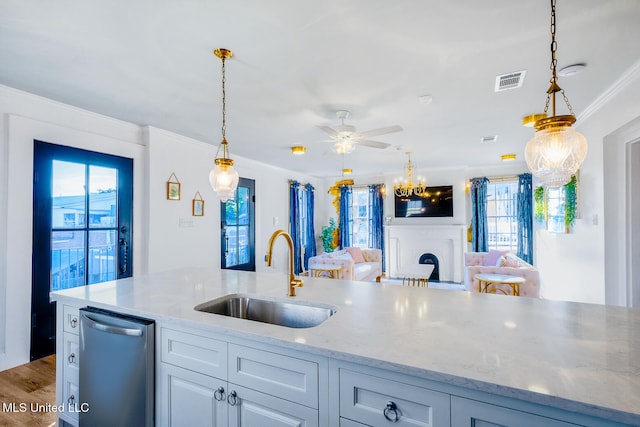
(501, 263)
(368, 269)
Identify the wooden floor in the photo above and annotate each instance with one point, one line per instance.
(31, 383)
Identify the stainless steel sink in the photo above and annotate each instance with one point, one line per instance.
(276, 312)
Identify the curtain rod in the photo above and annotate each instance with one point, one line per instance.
(502, 178)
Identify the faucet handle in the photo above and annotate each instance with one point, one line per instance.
(297, 283)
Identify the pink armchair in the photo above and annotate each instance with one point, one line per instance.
(507, 263)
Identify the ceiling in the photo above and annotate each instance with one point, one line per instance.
(296, 62)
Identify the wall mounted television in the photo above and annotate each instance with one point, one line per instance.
(435, 202)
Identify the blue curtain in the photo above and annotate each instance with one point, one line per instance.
(479, 224)
(346, 217)
(310, 248)
(376, 220)
(525, 217)
(294, 221)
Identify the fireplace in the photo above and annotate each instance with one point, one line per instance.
(408, 243)
(431, 259)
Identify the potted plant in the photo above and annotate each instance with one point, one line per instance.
(330, 236)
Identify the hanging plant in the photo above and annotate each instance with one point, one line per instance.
(570, 202)
(538, 197)
(329, 236)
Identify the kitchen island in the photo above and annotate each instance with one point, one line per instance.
(522, 359)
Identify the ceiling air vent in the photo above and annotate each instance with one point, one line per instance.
(510, 81)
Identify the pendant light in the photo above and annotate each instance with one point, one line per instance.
(223, 177)
(557, 150)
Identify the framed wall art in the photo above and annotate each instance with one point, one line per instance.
(197, 205)
(173, 187)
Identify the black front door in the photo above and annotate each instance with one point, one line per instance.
(82, 217)
(238, 228)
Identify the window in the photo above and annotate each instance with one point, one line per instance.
(557, 208)
(502, 215)
(361, 217)
(303, 222)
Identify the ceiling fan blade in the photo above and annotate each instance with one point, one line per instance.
(373, 144)
(328, 130)
(376, 132)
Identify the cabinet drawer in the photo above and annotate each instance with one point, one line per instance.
(70, 398)
(286, 377)
(469, 413)
(194, 352)
(366, 399)
(71, 319)
(70, 354)
(348, 423)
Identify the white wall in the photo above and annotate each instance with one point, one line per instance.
(572, 266)
(197, 242)
(158, 242)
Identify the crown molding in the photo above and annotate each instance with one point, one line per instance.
(628, 77)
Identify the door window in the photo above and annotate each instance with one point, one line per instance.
(237, 228)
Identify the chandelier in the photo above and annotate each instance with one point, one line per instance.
(223, 177)
(556, 151)
(405, 186)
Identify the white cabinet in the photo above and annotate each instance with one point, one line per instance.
(253, 408)
(209, 382)
(471, 413)
(67, 330)
(192, 399)
(381, 401)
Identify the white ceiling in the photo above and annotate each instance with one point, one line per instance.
(296, 62)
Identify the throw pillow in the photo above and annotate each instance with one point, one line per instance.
(344, 256)
(356, 254)
(511, 260)
(492, 257)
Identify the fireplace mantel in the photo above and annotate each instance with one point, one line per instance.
(406, 243)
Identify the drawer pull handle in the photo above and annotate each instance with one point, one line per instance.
(72, 358)
(74, 322)
(219, 394)
(232, 399)
(391, 412)
(71, 400)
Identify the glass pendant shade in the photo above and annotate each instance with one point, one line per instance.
(224, 179)
(555, 153)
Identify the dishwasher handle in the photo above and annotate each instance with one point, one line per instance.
(92, 323)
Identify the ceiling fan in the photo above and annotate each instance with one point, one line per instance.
(345, 138)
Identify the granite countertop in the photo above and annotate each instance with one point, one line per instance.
(579, 357)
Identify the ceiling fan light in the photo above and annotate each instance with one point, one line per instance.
(343, 146)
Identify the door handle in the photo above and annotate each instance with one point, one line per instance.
(124, 255)
(92, 323)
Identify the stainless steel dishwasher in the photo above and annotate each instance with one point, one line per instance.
(116, 363)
